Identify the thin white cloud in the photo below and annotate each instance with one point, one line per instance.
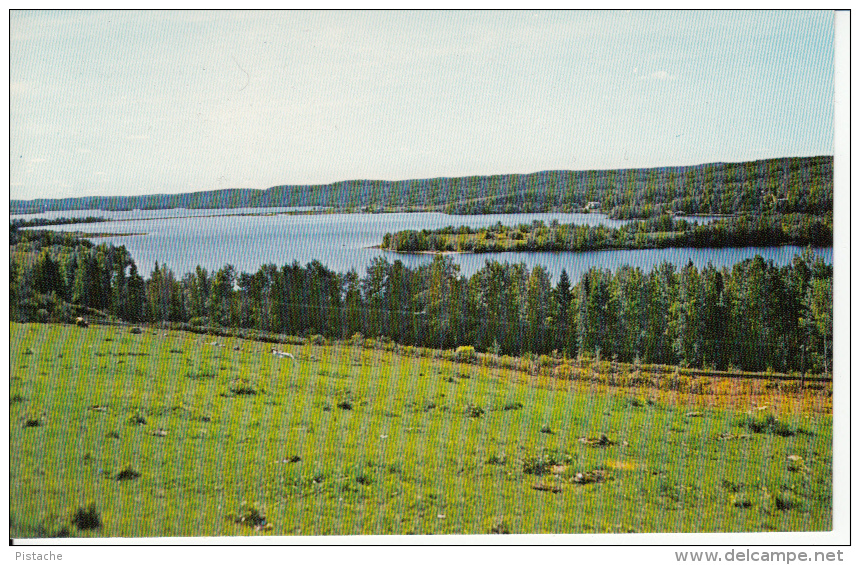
(137, 137)
(38, 160)
(662, 75)
(99, 173)
(84, 151)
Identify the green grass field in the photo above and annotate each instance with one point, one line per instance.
(115, 434)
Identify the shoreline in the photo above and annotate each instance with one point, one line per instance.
(599, 250)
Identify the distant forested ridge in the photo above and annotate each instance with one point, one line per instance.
(785, 185)
(658, 232)
(752, 316)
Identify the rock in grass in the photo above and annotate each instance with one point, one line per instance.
(589, 477)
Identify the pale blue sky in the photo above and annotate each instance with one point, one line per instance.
(159, 102)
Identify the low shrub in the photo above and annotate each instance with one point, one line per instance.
(87, 519)
(465, 353)
(252, 517)
(785, 501)
(137, 419)
(127, 474)
(242, 387)
(768, 425)
(541, 464)
(32, 422)
(200, 374)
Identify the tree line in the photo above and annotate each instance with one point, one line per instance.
(659, 232)
(753, 316)
(19, 223)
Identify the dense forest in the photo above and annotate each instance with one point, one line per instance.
(786, 185)
(659, 232)
(18, 223)
(754, 316)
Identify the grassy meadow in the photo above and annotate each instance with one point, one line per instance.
(166, 433)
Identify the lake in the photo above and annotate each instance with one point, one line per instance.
(214, 238)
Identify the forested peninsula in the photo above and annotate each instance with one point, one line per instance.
(660, 232)
(784, 185)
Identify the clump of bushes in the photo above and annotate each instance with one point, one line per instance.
(768, 425)
(87, 519)
(128, 473)
(252, 517)
(542, 464)
(345, 405)
(513, 406)
(137, 419)
(474, 411)
(465, 353)
(566, 373)
(635, 402)
(32, 422)
(241, 387)
(785, 501)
